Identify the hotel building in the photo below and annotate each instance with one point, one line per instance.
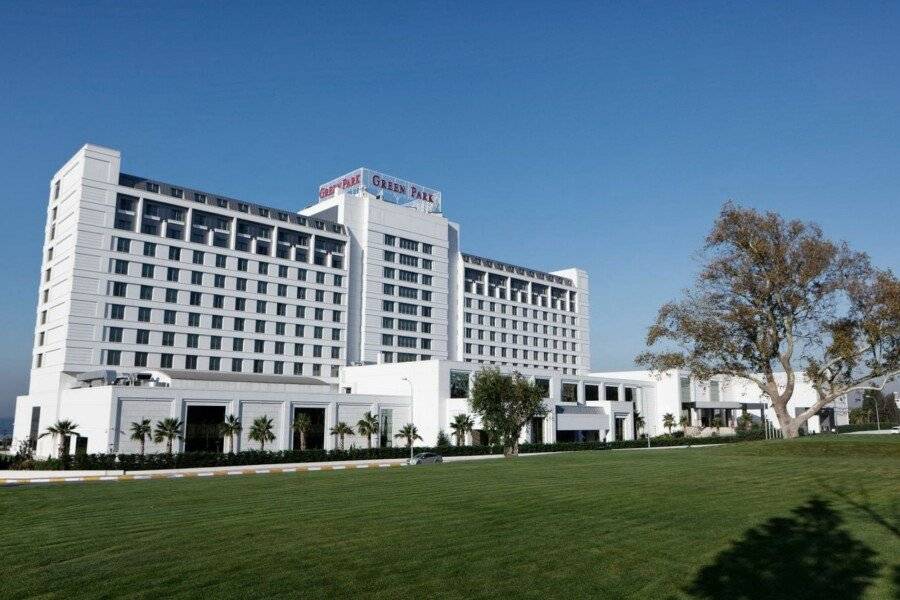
(183, 302)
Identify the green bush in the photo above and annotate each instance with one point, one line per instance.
(136, 462)
(861, 427)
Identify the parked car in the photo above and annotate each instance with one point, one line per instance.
(426, 458)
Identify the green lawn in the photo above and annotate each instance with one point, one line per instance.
(815, 518)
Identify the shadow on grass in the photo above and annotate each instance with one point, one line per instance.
(806, 555)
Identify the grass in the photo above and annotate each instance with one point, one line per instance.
(803, 519)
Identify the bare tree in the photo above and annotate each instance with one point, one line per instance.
(774, 295)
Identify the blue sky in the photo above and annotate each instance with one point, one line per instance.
(560, 134)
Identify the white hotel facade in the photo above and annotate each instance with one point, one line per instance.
(158, 300)
(162, 300)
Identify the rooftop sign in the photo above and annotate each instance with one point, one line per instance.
(388, 188)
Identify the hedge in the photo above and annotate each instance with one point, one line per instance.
(136, 462)
(862, 427)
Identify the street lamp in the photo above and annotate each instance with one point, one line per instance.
(412, 441)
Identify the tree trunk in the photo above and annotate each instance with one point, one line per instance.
(262, 445)
(302, 440)
(169, 446)
(342, 441)
(369, 442)
(142, 445)
(790, 428)
(512, 450)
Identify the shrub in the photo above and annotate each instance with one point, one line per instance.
(861, 427)
(136, 462)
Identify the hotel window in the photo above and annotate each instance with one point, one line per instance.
(612, 393)
(543, 385)
(388, 289)
(169, 317)
(426, 248)
(113, 357)
(215, 342)
(121, 267)
(146, 292)
(216, 322)
(114, 334)
(122, 244)
(119, 289)
(389, 240)
(168, 338)
(459, 384)
(257, 366)
(190, 361)
(144, 314)
(570, 392)
(236, 365)
(685, 389)
(171, 295)
(387, 340)
(140, 359)
(220, 261)
(142, 336)
(388, 273)
(389, 256)
(193, 340)
(147, 271)
(714, 391)
(174, 253)
(591, 392)
(214, 363)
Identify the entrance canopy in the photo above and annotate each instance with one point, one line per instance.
(718, 405)
(579, 418)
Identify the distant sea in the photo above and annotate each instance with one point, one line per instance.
(5, 426)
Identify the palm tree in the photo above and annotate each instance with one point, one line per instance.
(230, 428)
(685, 422)
(669, 421)
(261, 431)
(717, 422)
(638, 422)
(302, 425)
(63, 429)
(140, 431)
(168, 429)
(461, 425)
(340, 430)
(410, 433)
(368, 426)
